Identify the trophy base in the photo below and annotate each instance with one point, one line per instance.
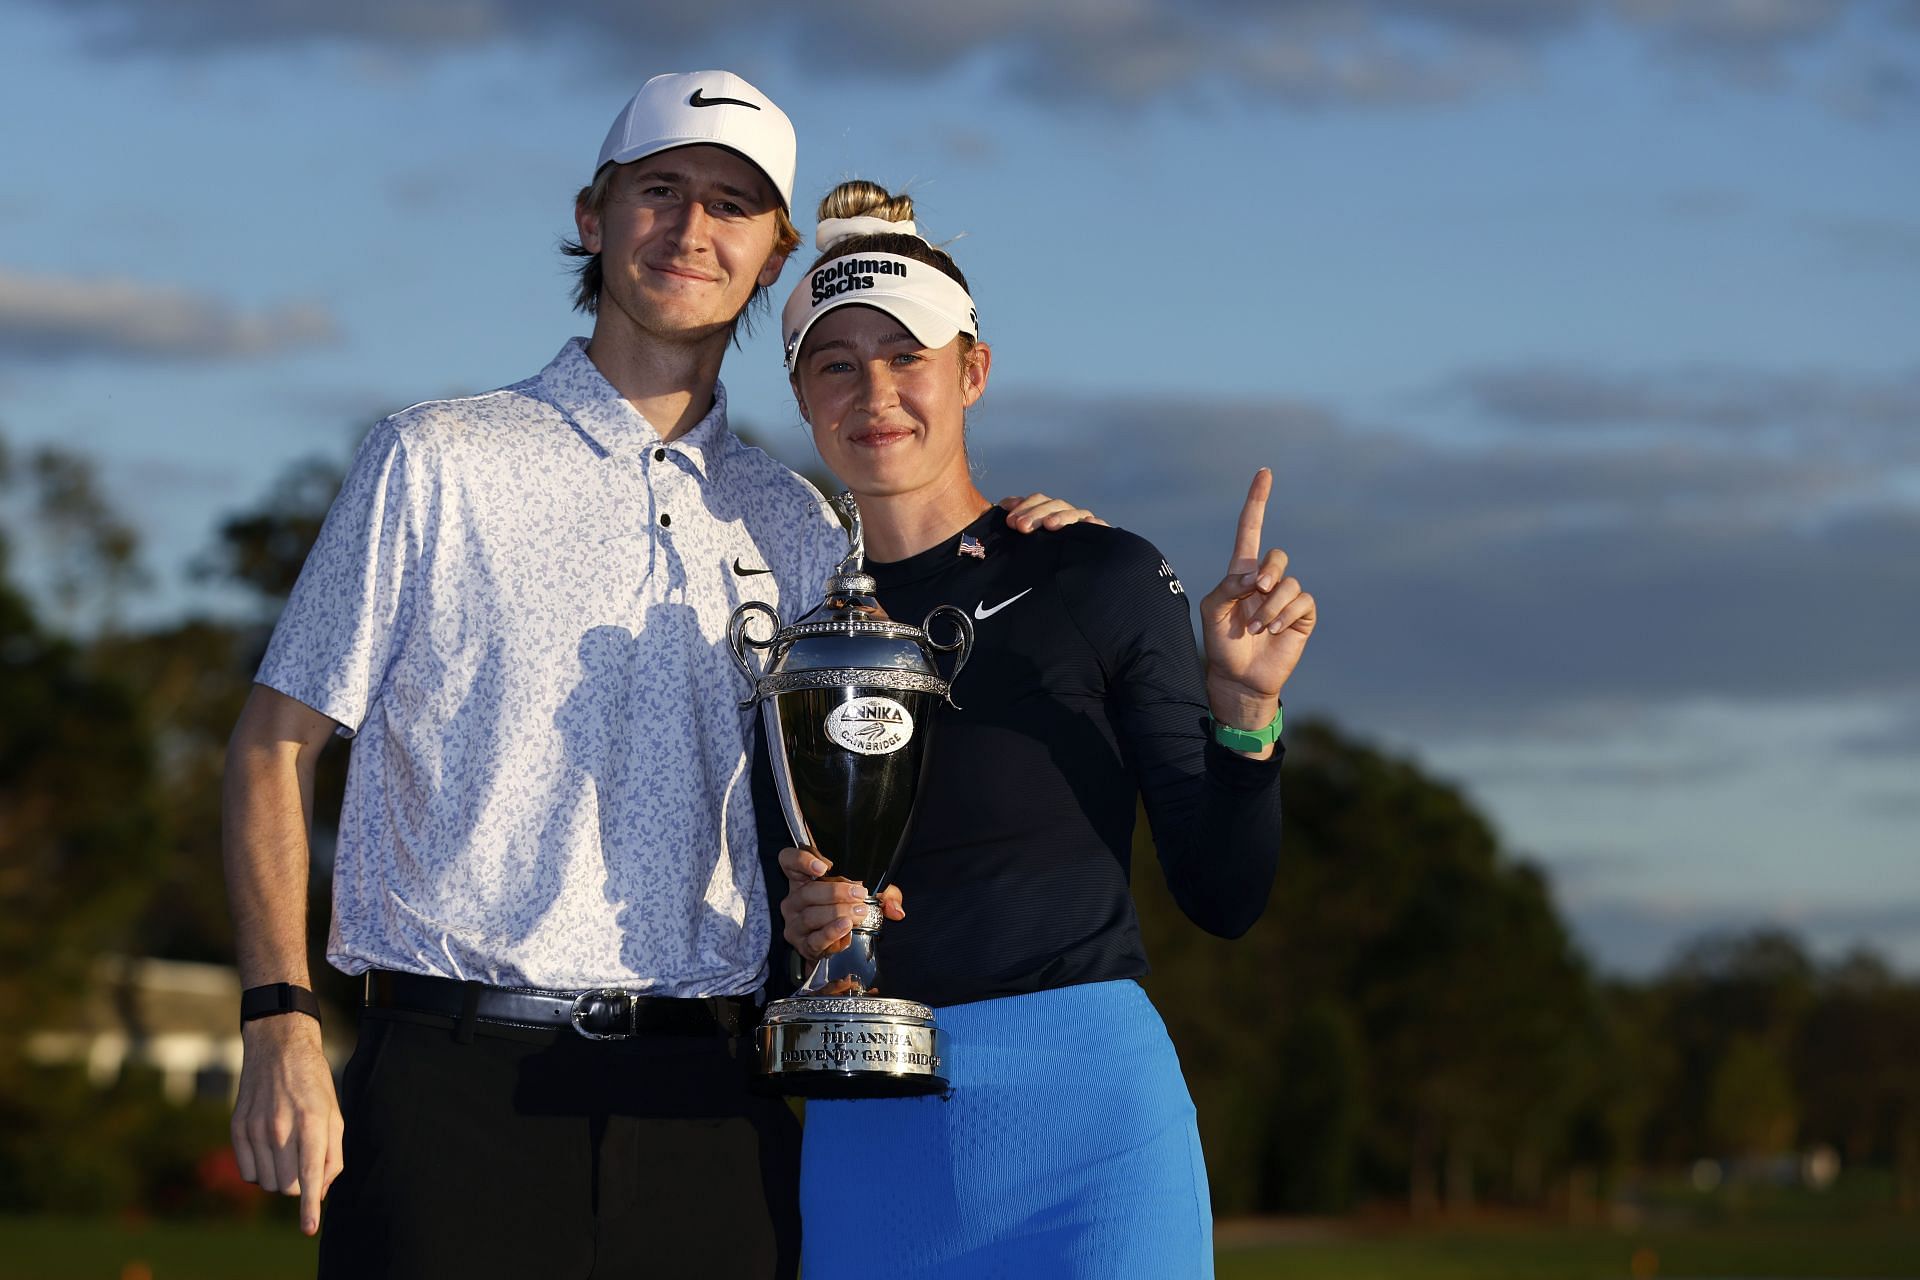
(850, 1047)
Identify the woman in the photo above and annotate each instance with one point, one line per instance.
(1067, 1146)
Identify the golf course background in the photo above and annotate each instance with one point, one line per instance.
(1408, 1052)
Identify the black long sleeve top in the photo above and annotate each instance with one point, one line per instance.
(1083, 691)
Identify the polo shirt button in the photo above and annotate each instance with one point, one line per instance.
(659, 455)
(665, 520)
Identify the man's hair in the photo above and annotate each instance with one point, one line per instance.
(589, 277)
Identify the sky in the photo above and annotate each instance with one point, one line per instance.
(1583, 337)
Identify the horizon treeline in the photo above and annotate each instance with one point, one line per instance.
(1410, 1022)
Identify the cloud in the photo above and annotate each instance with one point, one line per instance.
(1812, 413)
(67, 317)
(1894, 806)
(186, 26)
(1640, 936)
(1746, 39)
(1499, 584)
(1306, 53)
(962, 145)
(1868, 242)
(1878, 91)
(1310, 53)
(1573, 870)
(422, 191)
(1896, 736)
(1637, 776)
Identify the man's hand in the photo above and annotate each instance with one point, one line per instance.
(818, 913)
(1038, 511)
(1255, 623)
(286, 1120)
(286, 1123)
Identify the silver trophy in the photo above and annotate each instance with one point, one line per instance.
(849, 697)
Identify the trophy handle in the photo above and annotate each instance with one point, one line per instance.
(961, 645)
(738, 642)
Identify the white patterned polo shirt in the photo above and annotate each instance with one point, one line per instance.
(518, 607)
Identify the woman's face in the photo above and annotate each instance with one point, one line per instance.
(888, 415)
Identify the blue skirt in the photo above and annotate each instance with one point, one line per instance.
(1067, 1148)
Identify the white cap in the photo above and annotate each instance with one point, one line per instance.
(713, 107)
(924, 298)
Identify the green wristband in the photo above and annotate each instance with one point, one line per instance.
(1246, 739)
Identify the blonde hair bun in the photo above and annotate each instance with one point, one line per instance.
(858, 198)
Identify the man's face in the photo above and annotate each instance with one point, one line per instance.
(684, 238)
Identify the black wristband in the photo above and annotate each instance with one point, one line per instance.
(277, 998)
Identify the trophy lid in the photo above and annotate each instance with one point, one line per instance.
(849, 580)
(848, 634)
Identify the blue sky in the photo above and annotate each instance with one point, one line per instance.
(1583, 336)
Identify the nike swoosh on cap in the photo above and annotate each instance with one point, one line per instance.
(745, 572)
(700, 100)
(982, 613)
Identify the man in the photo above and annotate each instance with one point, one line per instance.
(547, 863)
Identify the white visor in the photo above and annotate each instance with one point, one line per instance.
(924, 298)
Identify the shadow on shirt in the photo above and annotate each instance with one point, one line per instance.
(661, 773)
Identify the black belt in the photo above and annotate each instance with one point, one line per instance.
(599, 1014)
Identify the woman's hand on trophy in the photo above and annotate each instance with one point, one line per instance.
(819, 911)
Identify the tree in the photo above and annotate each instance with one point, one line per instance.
(1750, 1106)
(79, 817)
(1410, 1004)
(262, 549)
(1728, 996)
(1857, 1069)
(89, 556)
(1319, 1112)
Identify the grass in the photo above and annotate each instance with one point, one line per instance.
(1533, 1252)
(105, 1249)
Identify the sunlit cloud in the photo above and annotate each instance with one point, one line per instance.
(1310, 54)
(73, 317)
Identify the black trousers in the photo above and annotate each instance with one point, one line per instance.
(551, 1156)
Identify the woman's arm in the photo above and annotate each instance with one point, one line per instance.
(1215, 813)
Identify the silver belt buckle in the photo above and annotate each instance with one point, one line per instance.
(612, 995)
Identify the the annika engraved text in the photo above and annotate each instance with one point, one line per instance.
(864, 1048)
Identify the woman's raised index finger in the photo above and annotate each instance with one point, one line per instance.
(1246, 540)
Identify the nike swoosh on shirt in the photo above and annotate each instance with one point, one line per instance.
(698, 100)
(982, 613)
(745, 572)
